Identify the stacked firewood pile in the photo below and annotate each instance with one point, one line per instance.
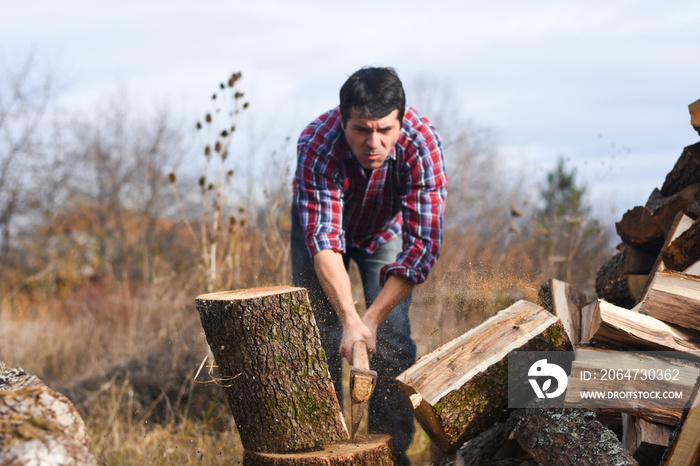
(646, 315)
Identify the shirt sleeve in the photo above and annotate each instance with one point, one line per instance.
(423, 208)
(318, 192)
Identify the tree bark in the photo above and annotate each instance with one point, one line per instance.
(684, 251)
(621, 279)
(272, 368)
(685, 173)
(39, 425)
(638, 227)
(484, 446)
(461, 388)
(363, 451)
(547, 436)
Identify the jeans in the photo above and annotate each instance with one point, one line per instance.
(389, 412)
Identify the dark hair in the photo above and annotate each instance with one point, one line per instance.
(373, 93)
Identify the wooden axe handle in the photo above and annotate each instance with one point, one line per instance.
(360, 359)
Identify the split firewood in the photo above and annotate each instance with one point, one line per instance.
(569, 437)
(621, 279)
(645, 440)
(685, 172)
(374, 450)
(618, 326)
(461, 388)
(693, 269)
(684, 448)
(632, 383)
(694, 110)
(675, 298)
(39, 425)
(681, 224)
(565, 302)
(273, 368)
(684, 250)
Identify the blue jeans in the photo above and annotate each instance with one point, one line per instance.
(389, 412)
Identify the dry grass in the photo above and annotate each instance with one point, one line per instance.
(127, 359)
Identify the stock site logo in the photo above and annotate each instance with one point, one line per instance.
(545, 371)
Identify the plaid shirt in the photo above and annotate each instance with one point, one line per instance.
(341, 205)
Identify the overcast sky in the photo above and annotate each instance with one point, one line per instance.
(604, 83)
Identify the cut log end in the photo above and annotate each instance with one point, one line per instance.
(370, 451)
(252, 293)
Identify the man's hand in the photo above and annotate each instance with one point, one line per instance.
(354, 331)
(335, 281)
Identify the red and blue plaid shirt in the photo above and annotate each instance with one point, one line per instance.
(342, 206)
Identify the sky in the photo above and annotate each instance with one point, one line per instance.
(604, 84)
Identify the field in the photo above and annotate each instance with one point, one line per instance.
(104, 248)
(128, 359)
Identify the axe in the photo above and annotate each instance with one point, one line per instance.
(362, 381)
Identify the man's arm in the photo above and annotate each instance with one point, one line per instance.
(392, 293)
(335, 281)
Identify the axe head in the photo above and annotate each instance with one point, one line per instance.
(362, 382)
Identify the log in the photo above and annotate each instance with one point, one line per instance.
(623, 377)
(622, 327)
(548, 436)
(685, 172)
(639, 228)
(680, 225)
(273, 368)
(621, 279)
(684, 250)
(39, 425)
(646, 228)
(363, 451)
(565, 302)
(684, 447)
(645, 440)
(694, 110)
(487, 444)
(675, 298)
(461, 388)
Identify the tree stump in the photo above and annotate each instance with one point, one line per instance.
(273, 368)
(374, 450)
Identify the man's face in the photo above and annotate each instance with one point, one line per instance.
(370, 139)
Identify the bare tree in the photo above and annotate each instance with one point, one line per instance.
(25, 95)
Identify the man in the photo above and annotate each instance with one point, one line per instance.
(370, 186)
